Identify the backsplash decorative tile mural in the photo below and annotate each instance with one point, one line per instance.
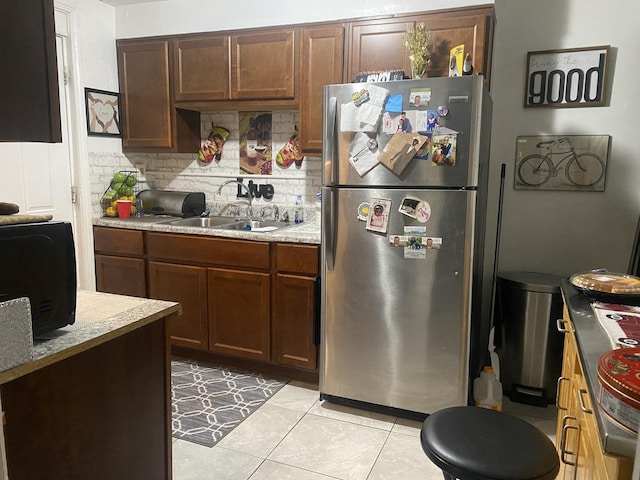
(185, 172)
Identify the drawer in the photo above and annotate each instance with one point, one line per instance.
(118, 241)
(297, 258)
(209, 250)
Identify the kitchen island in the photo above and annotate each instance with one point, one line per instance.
(95, 401)
(589, 444)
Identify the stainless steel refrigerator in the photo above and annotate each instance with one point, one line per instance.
(404, 319)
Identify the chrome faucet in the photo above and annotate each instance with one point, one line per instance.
(238, 182)
(273, 211)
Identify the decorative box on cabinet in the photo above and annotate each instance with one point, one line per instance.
(577, 437)
(150, 123)
(120, 267)
(295, 326)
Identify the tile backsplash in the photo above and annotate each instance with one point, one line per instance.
(184, 172)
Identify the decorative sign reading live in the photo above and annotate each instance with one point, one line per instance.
(567, 78)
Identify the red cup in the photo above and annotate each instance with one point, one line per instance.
(124, 208)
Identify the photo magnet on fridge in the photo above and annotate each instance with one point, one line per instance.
(378, 219)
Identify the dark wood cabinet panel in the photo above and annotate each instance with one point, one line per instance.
(201, 68)
(322, 63)
(239, 313)
(118, 241)
(263, 65)
(293, 322)
(143, 67)
(125, 276)
(474, 32)
(29, 90)
(209, 250)
(101, 414)
(150, 122)
(378, 45)
(188, 286)
(302, 259)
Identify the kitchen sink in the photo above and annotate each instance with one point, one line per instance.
(205, 222)
(255, 225)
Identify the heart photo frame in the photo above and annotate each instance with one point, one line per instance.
(103, 112)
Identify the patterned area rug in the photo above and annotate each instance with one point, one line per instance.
(207, 402)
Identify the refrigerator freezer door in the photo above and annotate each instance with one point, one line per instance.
(396, 330)
(462, 97)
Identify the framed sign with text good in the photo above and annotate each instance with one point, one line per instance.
(575, 77)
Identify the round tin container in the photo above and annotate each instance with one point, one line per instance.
(619, 396)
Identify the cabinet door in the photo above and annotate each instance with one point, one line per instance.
(143, 69)
(474, 32)
(378, 45)
(239, 313)
(201, 69)
(322, 64)
(29, 94)
(294, 322)
(263, 65)
(187, 285)
(124, 276)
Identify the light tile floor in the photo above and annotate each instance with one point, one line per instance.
(295, 436)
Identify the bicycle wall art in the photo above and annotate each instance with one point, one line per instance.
(561, 162)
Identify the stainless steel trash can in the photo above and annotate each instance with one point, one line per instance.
(527, 341)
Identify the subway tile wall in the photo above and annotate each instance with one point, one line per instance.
(184, 172)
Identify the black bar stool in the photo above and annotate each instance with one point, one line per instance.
(472, 443)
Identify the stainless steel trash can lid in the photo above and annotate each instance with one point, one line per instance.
(531, 281)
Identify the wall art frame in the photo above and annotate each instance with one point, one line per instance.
(561, 162)
(103, 113)
(568, 78)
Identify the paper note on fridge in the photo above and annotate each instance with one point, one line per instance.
(365, 116)
(399, 151)
(361, 156)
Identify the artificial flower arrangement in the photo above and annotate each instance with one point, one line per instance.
(417, 41)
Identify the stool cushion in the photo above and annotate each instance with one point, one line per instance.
(473, 443)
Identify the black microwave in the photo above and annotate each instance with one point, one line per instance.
(37, 260)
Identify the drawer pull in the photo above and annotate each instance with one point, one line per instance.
(558, 393)
(583, 407)
(563, 440)
(560, 325)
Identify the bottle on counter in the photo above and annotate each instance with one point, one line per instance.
(298, 212)
(487, 390)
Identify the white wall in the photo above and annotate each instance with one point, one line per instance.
(186, 16)
(566, 232)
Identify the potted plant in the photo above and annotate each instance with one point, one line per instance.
(417, 41)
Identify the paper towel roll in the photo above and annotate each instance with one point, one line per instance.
(16, 341)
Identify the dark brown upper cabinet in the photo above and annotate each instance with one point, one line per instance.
(29, 90)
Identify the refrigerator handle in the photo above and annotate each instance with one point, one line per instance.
(329, 229)
(329, 142)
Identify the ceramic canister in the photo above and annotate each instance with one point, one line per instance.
(619, 395)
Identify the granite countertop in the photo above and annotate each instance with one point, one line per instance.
(306, 232)
(592, 343)
(100, 317)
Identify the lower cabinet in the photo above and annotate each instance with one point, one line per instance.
(239, 313)
(120, 266)
(187, 285)
(241, 299)
(578, 440)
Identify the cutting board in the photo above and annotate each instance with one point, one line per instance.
(15, 219)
